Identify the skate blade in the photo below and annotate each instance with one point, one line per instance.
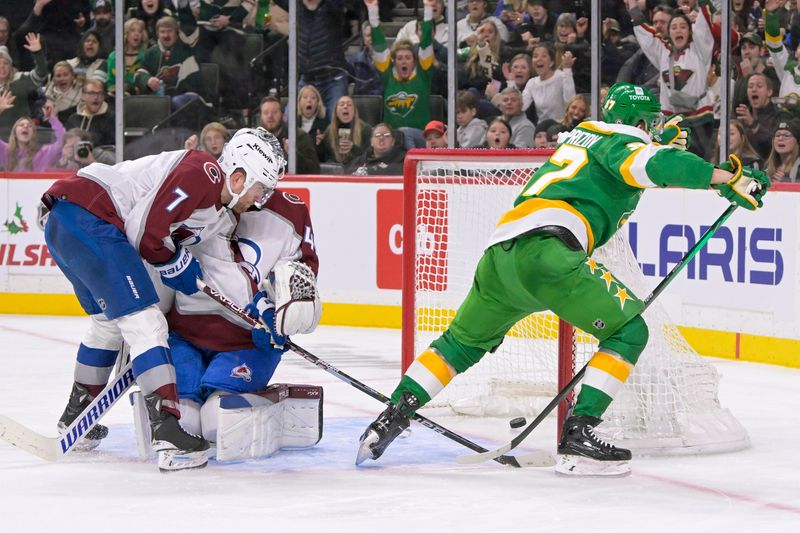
(174, 460)
(578, 466)
(365, 447)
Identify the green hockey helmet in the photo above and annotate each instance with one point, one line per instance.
(630, 104)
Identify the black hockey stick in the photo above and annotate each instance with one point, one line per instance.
(540, 458)
(485, 456)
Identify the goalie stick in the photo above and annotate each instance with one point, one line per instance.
(485, 456)
(55, 448)
(535, 459)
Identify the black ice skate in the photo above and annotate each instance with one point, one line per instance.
(177, 448)
(583, 453)
(79, 400)
(389, 424)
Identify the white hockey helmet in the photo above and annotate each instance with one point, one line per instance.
(259, 154)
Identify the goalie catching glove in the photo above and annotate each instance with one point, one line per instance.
(289, 305)
(672, 134)
(747, 186)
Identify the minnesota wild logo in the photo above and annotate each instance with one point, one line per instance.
(16, 224)
(401, 103)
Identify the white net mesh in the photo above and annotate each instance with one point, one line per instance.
(668, 405)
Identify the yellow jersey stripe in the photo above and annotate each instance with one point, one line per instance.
(618, 368)
(531, 206)
(437, 366)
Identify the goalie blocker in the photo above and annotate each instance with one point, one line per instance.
(251, 425)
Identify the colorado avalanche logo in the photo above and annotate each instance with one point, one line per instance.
(242, 372)
(212, 171)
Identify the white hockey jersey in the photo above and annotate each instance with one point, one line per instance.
(157, 201)
(689, 68)
(235, 262)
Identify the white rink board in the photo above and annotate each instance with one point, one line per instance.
(358, 233)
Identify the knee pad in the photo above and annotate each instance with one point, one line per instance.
(144, 329)
(103, 334)
(629, 340)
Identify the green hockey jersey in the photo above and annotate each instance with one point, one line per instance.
(593, 181)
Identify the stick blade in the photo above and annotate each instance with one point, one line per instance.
(28, 440)
(475, 458)
(536, 459)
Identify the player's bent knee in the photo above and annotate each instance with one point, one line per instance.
(144, 329)
(629, 340)
(103, 334)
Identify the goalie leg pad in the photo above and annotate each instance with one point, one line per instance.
(252, 426)
(141, 424)
(292, 286)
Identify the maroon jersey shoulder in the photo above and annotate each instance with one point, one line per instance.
(195, 183)
(291, 208)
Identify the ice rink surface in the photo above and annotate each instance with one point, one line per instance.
(415, 487)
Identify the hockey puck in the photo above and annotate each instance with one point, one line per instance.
(518, 422)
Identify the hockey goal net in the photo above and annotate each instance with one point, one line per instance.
(453, 199)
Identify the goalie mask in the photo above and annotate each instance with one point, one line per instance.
(630, 104)
(259, 154)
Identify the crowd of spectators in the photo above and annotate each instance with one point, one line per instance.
(522, 69)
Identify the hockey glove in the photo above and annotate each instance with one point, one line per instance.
(747, 186)
(672, 134)
(181, 272)
(265, 338)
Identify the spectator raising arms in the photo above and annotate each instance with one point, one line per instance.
(135, 39)
(683, 60)
(384, 156)
(63, 90)
(212, 139)
(550, 89)
(784, 161)
(21, 84)
(22, 153)
(406, 76)
(786, 65)
(348, 136)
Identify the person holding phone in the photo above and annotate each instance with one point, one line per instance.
(348, 136)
